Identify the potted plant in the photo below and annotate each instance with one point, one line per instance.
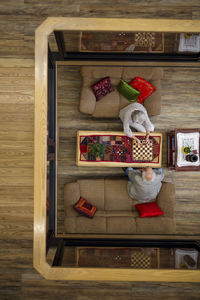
(186, 150)
(97, 150)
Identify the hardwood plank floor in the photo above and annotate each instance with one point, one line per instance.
(18, 20)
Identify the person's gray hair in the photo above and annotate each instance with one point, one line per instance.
(138, 116)
(144, 177)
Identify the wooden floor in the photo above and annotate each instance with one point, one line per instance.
(18, 20)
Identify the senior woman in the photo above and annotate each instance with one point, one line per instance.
(135, 115)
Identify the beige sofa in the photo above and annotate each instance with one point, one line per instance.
(110, 105)
(116, 210)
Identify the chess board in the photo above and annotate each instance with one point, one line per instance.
(143, 152)
(115, 149)
(145, 39)
(140, 260)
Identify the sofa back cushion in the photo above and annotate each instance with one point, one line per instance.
(93, 191)
(116, 195)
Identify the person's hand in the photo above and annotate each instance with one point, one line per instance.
(137, 140)
(147, 141)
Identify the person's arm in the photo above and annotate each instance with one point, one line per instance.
(132, 173)
(158, 171)
(127, 130)
(160, 175)
(149, 127)
(126, 126)
(147, 136)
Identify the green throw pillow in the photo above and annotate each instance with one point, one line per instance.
(127, 91)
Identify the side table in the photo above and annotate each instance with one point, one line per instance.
(177, 140)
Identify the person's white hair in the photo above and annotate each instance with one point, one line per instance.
(138, 116)
(144, 177)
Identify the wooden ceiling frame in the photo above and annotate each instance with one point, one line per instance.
(40, 148)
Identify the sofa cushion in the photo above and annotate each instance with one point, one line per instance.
(98, 72)
(127, 91)
(108, 107)
(82, 224)
(116, 195)
(117, 213)
(71, 196)
(93, 191)
(145, 88)
(158, 225)
(149, 209)
(125, 225)
(85, 208)
(148, 74)
(102, 88)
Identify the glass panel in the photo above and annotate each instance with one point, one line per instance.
(72, 41)
(132, 42)
(131, 257)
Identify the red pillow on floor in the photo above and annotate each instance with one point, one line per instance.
(85, 208)
(144, 87)
(102, 88)
(149, 210)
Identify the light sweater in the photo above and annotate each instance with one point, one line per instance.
(144, 191)
(125, 116)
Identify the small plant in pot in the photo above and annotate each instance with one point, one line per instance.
(187, 149)
(97, 150)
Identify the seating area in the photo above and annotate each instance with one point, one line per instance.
(108, 219)
(112, 103)
(116, 212)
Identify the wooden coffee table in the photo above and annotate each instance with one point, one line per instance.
(118, 150)
(177, 139)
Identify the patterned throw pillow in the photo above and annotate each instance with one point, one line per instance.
(102, 88)
(85, 208)
(145, 88)
(127, 91)
(149, 210)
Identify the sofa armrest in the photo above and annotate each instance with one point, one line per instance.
(166, 199)
(153, 102)
(87, 101)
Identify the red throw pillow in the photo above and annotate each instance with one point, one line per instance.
(149, 210)
(85, 208)
(102, 88)
(144, 87)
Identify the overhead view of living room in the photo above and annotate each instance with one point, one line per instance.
(123, 149)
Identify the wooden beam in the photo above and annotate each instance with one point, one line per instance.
(40, 147)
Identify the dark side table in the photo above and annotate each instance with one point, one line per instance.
(177, 140)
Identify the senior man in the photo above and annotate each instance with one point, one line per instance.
(144, 184)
